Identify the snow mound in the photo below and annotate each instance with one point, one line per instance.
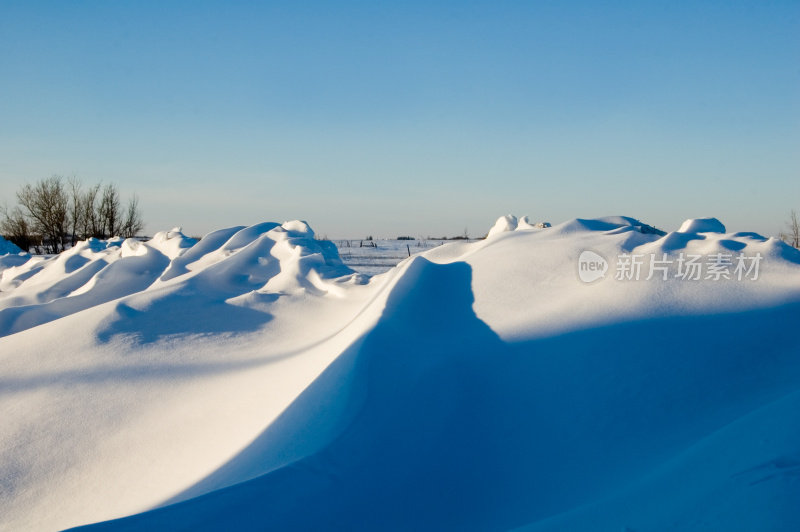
(617, 224)
(9, 263)
(171, 243)
(702, 225)
(510, 222)
(503, 224)
(254, 382)
(229, 262)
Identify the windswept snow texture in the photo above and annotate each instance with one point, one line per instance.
(252, 381)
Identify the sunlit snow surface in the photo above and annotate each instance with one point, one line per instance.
(252, 380)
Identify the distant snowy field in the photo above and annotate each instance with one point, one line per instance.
(372, 257)
(594, 375)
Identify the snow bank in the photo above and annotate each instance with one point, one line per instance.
(94, 271)
(258, 383)
(10, 257)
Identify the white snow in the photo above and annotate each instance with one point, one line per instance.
(252, 380)
(702, 225)
(510, 222)
(504, 223)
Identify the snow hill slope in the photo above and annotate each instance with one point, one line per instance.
(256, 383)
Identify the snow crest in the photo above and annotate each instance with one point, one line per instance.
(271, 257)
(702, 225)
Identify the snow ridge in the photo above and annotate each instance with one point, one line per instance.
(38, 290)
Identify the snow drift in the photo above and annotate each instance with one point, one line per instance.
(38, 290)
(250, 380)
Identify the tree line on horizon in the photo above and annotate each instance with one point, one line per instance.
(792, 236)
(53, 213)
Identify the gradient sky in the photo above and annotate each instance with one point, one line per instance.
(420, 118)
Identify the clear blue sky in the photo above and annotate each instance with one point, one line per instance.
(410, 117)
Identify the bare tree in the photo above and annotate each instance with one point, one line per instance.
(53, 214)
(793, 226)
(46, 204)
(110, 212)
(76, 210)
(90, 222)
(133, 219)
(15, 228)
